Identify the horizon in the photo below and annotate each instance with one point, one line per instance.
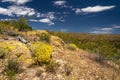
(79, 16)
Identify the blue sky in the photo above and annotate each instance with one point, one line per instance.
(82, 16)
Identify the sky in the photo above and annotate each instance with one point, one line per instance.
(81, 16)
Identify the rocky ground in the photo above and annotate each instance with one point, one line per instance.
(69, 65)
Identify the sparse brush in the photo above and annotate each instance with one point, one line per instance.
(51, 67)
(68, 69)
(12, 69)
(44, 37)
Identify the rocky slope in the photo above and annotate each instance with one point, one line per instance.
(67, 64)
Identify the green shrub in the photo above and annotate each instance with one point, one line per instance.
(6, 28)
(72, 46)
(2, 52)
(68, 69)
(41, 52)
(12, 68)
(44, 37)
(51, 67)
(39, 71)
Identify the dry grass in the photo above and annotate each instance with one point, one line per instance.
(84, 67)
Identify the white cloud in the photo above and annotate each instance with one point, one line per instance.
(4, 11)
(7, 19)
(96, 8)
(59, 3)
(21, 10)
(50, 15)
(93, 9)
(17, 1)
(107, 30)
(17, 10)
(47, 21)
(33, 20)
(104, 29)
(78, 10)
(44, 20)
(100, 32)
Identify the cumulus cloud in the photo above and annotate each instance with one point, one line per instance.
(17, 1)
(17, 10)
(59, 3)
(93, 9)
(4, 11)
(47, 21)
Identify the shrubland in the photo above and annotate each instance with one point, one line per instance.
(55, 53)
(106, 46)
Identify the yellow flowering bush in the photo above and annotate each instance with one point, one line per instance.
(5, 48)
(72, 46)
(41, 52)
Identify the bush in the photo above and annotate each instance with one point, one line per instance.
(68, 69)
(52, 66)
(2, 52)
(41, 52)
(6, 28)
(44, 37)
(12, 68)
(72, 46)
(21, 24)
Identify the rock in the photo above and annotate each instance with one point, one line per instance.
(6, 38)
(19, 38)
(11, 33)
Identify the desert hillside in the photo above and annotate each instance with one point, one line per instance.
(27, 54)
(26, 57)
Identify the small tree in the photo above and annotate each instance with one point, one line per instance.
(23, 25)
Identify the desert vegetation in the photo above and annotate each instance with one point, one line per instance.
(13, 26)
(41, 52)
(27, 54)
(105, 45)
